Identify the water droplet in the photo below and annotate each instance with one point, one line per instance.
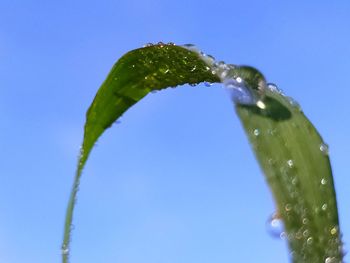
(323, 181)
(256, 132)
(294, 180)
(305, 221)
(334, 230)
(193, 69)
(324, 207)
(290, 163)
(306, 233)
(273, 87)
(64, 250)
(208, 84)
(324, 148)
(247, 85)
(148, 45)
(330, 260)
(275, 226)
(288, 207)
(309, 241)
(160, 44)
(298, 235)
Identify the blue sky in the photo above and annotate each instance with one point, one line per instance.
(176, 181)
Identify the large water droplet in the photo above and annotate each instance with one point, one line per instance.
(246, 84)
(275, 226)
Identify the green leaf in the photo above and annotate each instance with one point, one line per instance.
(289, 149)
(295, 161)
(134, 75)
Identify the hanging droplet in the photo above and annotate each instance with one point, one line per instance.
(323, 181)
(246, 84)
(275, 226)
(208, 84)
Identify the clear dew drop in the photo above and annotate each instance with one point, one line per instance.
(239, 93)
(273, 87)
(330, 260)
(324, 148)
(207, 84)
(275, 226)
(245, 84)
(309, 241)
(148, 45)
(288, 207)
(334, 231)
(64, 250)
(256, 132)
(324, 207)
(290, 163)
(323, 181)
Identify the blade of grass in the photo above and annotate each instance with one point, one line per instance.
(134, 75)
(288, 148)
(295, 161)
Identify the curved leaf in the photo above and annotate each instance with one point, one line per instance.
(287, 146)
(295, 161)
(134, 75)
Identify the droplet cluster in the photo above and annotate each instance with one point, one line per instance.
(245, 84)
